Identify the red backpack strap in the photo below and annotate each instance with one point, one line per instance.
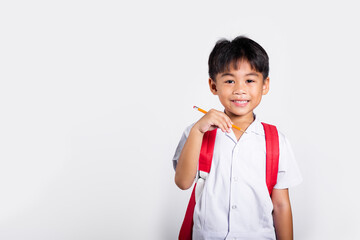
(205, 159)
(272, 155)
(207, 150)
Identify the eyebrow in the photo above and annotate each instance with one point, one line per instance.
(252, 74)
(227, 74)
(232, 75)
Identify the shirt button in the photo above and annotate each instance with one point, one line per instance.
(233, 206)
(236, 179)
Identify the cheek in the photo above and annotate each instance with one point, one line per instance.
(223, 96)
(257, 93)
(222, 92)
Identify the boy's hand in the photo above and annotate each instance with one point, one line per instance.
(213, 119)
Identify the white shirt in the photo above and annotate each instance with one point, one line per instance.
(235, 202)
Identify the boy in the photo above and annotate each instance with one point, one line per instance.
(235, 202)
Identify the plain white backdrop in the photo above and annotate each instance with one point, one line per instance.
(94, 97)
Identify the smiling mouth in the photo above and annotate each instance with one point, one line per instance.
(240, 103)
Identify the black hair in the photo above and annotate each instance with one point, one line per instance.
(228, 52)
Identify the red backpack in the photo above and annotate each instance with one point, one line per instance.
(206, 154)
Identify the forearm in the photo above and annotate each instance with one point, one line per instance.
(188, 160)
(283, 222)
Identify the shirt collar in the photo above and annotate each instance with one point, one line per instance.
(255, 127)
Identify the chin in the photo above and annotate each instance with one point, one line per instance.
(241, 113)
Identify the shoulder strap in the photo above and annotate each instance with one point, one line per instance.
(272, 155)
(205, 159)
(207, 150)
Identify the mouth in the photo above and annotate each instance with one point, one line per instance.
(240, 103)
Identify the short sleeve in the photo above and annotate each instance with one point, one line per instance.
(288, 174)
(181, 144)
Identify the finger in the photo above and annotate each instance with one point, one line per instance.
(216, 122)
(230, 123)
(223, 126)
(221, 120)
(227, 122)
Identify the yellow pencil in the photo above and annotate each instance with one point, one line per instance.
(204, 112)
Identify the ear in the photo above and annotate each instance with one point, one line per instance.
(266, 84)
(212, 85)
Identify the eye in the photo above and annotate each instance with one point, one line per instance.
(250, 81)
(229, 81)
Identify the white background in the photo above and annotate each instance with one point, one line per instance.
(94, 97)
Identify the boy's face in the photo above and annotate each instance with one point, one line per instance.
(240, 90)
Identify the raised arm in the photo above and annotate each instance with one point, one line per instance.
(188, 160)
(189, 157)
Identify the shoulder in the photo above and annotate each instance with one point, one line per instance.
(283, 141)
(188, 129)
(285, 148)
(281, 135)
(181, 144)
(282, 138)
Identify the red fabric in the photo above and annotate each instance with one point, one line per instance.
(272, 155)
(205, 159)
(206, 152)
(187, 225)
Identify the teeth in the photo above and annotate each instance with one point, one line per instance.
(240, 101)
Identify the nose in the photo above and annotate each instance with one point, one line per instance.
(239, 88)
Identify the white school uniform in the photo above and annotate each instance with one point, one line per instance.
(235, 202)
